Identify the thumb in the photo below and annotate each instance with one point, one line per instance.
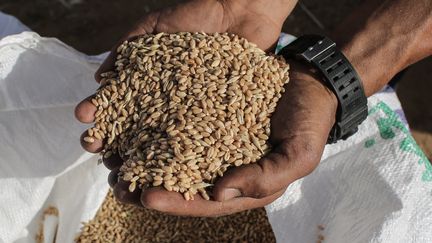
(270, 174)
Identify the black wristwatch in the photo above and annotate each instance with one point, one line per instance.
(339, 75)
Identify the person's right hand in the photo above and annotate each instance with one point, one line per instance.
(258, 21)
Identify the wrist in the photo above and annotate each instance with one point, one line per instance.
(300, 72)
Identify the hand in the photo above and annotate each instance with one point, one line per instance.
(299, 128)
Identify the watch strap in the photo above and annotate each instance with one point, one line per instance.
(340, 76)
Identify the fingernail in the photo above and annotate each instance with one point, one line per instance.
(231, 193)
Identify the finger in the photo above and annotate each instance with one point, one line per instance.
(112, 162)
(146, 25)
(94, 147)
(272, 173)
(85, 111)
(122, 193)
(174, 203)
(113, 177)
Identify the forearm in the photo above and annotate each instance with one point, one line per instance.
(381, 39)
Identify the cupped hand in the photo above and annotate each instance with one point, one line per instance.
(299, 129)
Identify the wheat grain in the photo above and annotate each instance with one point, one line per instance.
(117, 222)
(187, 106)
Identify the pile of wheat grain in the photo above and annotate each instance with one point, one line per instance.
(181, 108)
(117, 222)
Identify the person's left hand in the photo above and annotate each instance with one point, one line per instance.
(299, 131)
